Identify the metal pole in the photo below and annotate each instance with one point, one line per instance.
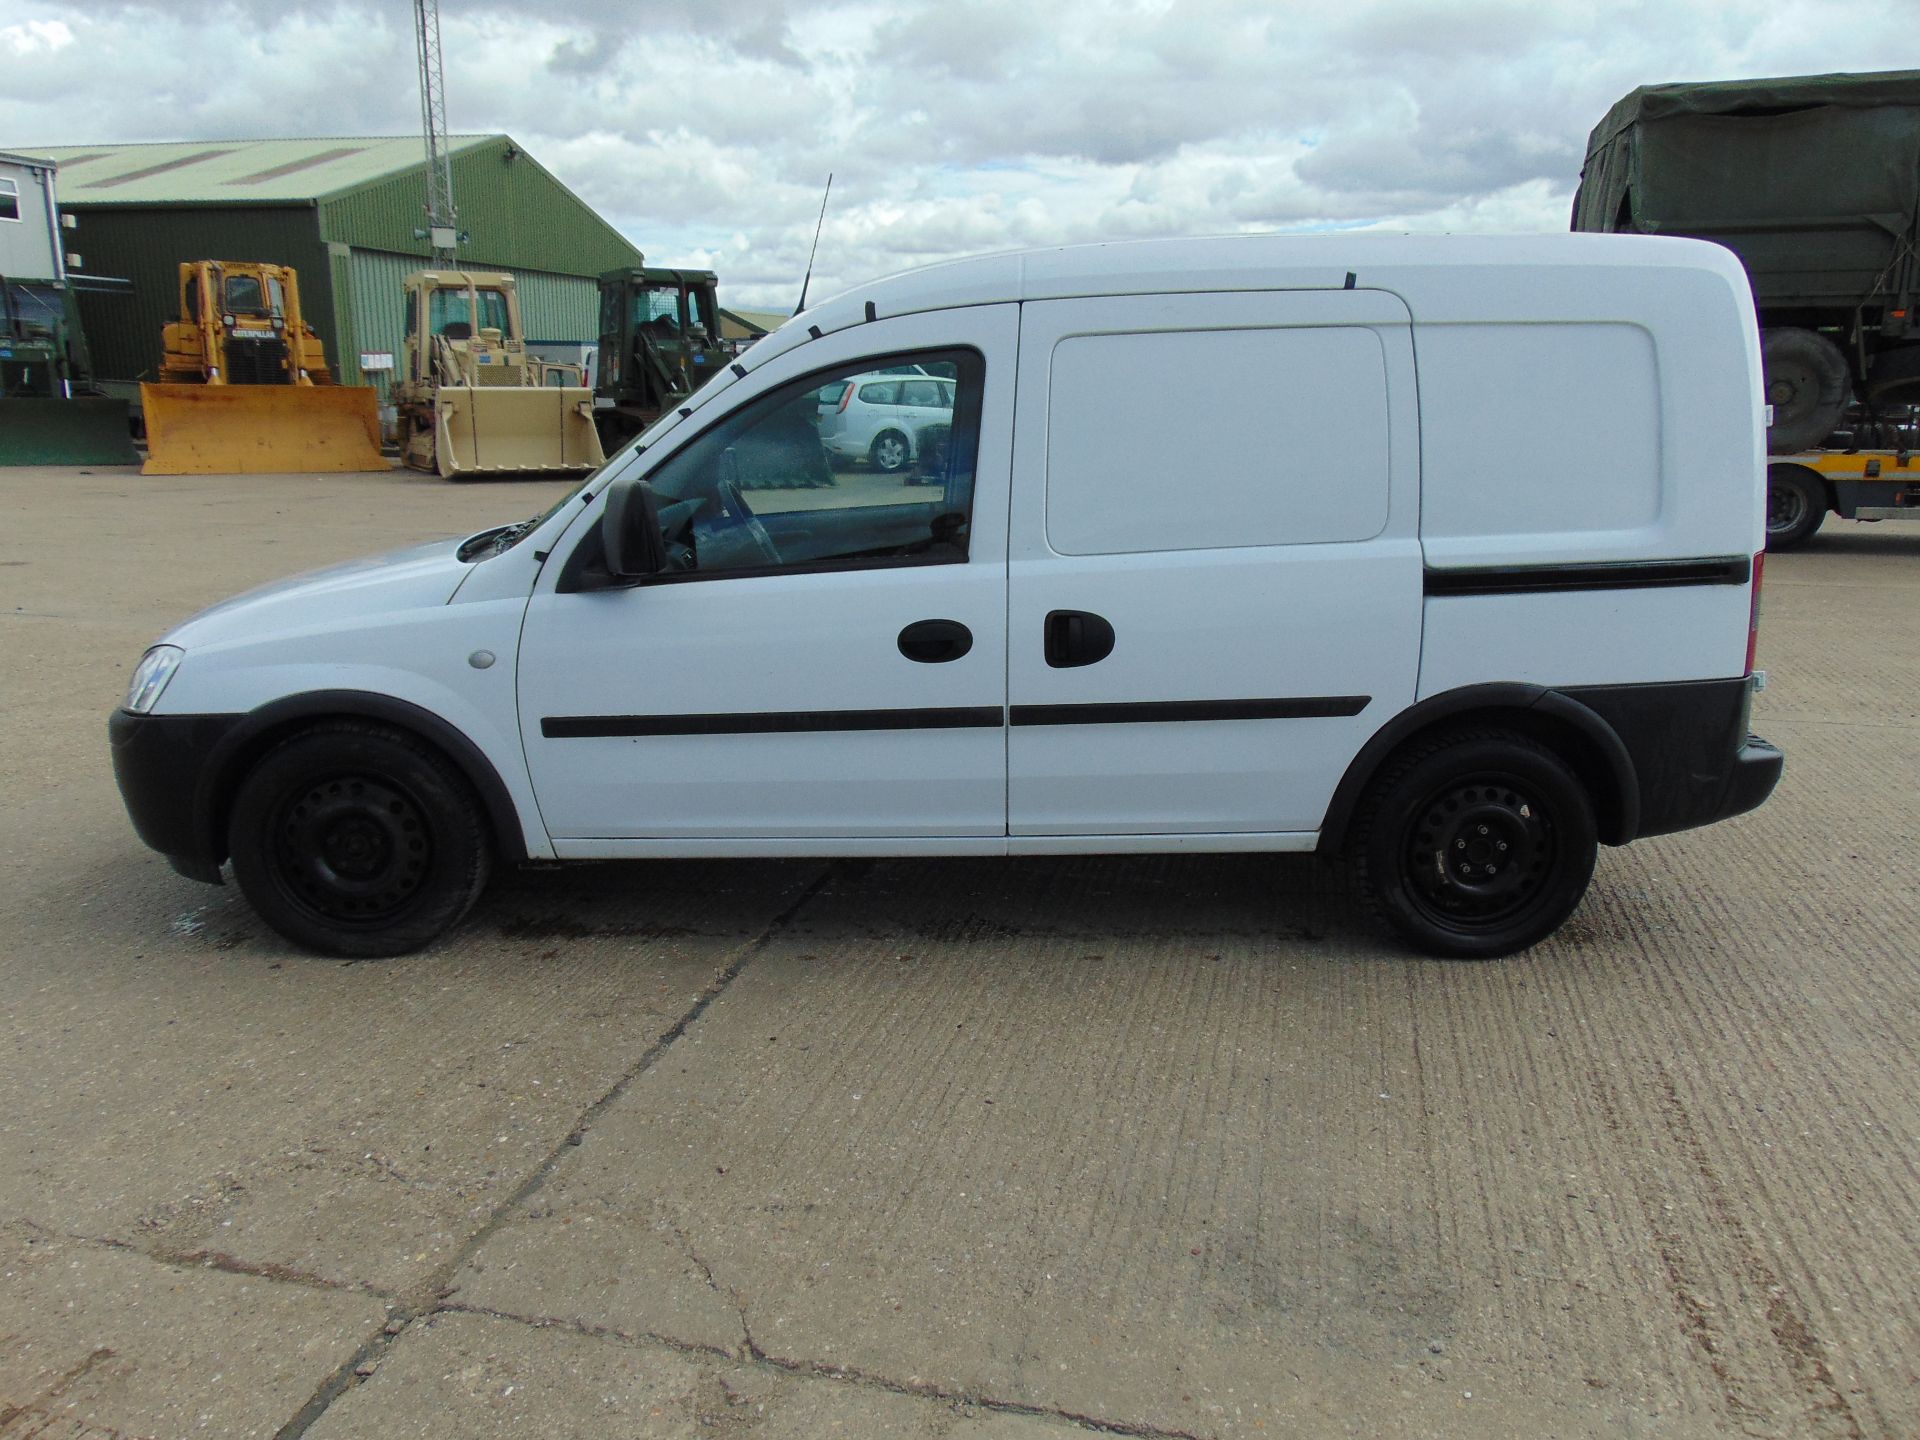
(441, 215)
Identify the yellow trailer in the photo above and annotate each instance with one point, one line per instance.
(244, 385)
(1853, 484)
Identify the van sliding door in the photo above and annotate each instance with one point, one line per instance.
(1215, 569)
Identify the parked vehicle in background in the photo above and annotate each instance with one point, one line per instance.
(1814, 181)
(1870, 471)
(883, 420)
(659, 342)
(245, 386)
(51, 410)
(471, 399)
(1355, 630)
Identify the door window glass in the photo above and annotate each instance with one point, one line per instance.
(786, 483)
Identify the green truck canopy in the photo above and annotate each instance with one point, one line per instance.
(1814, 181)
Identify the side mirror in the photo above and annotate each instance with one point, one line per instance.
(630, 531)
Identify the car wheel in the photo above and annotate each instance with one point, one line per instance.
(1796, 505)
(889, 451)
(353, 839)
(1474, 844)
(1806, 379)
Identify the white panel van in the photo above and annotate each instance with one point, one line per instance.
(1438, 553)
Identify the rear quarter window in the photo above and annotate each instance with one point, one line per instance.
(1272, 437)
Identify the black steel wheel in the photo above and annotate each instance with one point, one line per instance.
(889, 451)
(1807, 386)
(1796, 505)
(1472, 845)
(356, 840)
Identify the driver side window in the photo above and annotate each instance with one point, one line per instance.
(815, 475)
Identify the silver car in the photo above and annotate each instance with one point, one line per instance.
(881, 418)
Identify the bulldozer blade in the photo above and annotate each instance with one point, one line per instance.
(91, 430)
(260, 429)
(514, 430)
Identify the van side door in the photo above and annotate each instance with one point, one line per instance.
(1215, 571)
(824, 658)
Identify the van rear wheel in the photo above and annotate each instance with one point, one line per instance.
(357, 840)
(1474, 844)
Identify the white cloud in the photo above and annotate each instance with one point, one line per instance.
(705, 131)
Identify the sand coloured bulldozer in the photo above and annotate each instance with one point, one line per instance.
(471, 400)
(244, 385)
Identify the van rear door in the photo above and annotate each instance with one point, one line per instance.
(1215, 568)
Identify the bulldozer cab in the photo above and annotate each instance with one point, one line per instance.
(659, 341)
(464, 329)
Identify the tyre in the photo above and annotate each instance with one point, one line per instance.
(1807, 385)
(353, 839)
(1471, 845)
(889, 451)
(1796, 504)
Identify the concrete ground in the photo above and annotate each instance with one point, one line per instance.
(994, 1150)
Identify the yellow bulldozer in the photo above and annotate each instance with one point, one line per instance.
(471, 400)
(244, 385)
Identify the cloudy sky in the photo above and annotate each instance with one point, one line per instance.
(705, 129)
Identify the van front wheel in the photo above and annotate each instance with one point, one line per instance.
(353, 839)
(1474, 844)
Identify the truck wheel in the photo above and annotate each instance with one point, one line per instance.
(889, 451)
(353, 839)
(1806, 378)
(1796, 504)
(1473, 844)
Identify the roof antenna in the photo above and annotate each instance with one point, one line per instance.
(816, 244)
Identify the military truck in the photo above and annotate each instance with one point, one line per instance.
(1814, 182)
(51, 410)
(659, 342)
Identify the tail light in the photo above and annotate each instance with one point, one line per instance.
(1753, 612)
(846, 398)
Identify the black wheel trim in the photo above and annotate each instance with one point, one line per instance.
(1480, 852)
(1786, 509)
(351, 849)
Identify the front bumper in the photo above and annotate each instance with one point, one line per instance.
(162, 765)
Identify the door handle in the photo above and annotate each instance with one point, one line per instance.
(934, 642)
(1076, 637)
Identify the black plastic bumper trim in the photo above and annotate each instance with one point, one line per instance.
(1589, 575)
(1694, 760)
(159, 762)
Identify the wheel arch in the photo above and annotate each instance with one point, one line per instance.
(1582, 738)
(260, 730)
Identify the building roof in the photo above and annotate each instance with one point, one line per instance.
(230, 172)
(750, 324)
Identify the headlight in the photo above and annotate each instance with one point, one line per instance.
(151, 675)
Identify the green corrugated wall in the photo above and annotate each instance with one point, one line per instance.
(508, 207)
(147, 245)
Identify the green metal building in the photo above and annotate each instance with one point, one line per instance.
(342, 212)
